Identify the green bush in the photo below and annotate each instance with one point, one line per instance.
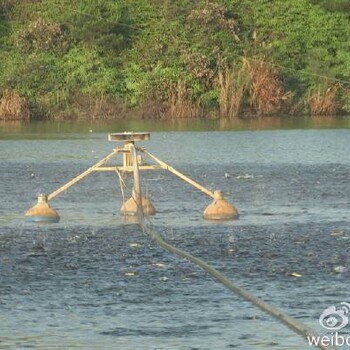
(58, 52)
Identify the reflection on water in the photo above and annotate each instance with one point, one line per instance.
(90, 281)
(58, 129)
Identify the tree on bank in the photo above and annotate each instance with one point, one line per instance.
(162, 58)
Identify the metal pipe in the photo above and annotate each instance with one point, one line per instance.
(129, 169)
(183, 177)
(82, 175)
(137, 183)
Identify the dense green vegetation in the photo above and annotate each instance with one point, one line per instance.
(163, 58)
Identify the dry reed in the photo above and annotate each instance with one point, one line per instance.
(180, 104)
(231, 86)
(13, 106)
(324, 102)
(266, 92)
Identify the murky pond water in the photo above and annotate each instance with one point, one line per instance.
(93, 281)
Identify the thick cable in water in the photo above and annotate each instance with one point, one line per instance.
(289, 321)
(278, 314)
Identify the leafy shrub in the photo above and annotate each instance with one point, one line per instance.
(41, 36)
(175, 58)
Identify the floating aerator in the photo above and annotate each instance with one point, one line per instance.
(220, 209)
(130, 206)
(42, 212)
(132, 164)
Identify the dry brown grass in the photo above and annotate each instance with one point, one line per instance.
(13, 106)
(180, 104)
(266, 92)
(232, 85)
(324, 102)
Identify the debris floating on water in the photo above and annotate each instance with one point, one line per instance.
(337, 233)
(134, 245)
(158, 265)
(339, 269)
(130, 273)
(245, 176)
(295, 274)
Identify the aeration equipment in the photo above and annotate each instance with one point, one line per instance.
(219, 209)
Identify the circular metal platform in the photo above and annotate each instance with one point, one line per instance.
(129, 136)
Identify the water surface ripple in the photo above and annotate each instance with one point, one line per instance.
(93, 281)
